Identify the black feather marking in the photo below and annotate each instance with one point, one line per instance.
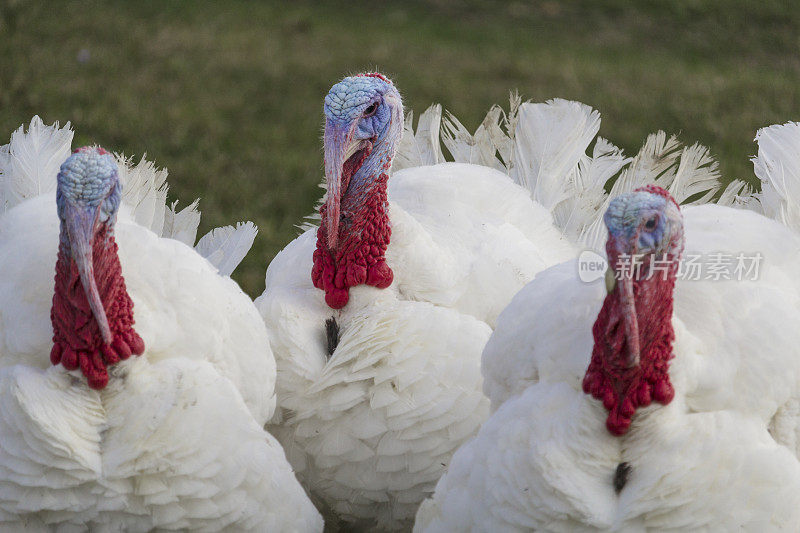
(332, 335)
(621, 476)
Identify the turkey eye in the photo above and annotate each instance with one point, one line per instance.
(368, 112)
(650, 224)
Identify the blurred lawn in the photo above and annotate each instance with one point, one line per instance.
(228, 95)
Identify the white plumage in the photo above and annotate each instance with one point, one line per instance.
(175, 440)
(544, 462)
(371, 427)
(722, 456)
(777, 165)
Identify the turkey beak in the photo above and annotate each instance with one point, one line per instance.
(339, 146)
(80, 223)
(630, 320)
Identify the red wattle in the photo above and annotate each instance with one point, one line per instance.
(380, 275)
(624, 389)
(77, 342)
(359, 257)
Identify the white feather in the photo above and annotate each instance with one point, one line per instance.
(655, 163)
(144, 188)
(543, 148)
(30, 162)
(182, 225)
(225, 247)
(685, 172)
(479, 149)
(697, 174)
(422, 147)
(777, 165)
(587, 188)
(506, 145)
(740, 194)
(549, 141)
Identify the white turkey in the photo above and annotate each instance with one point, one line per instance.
(378, 317)
(133, 396)
(644, 405)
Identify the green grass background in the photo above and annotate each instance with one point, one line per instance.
(228, 95)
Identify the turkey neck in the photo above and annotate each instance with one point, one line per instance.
(611, 378)
(77, 339)
(365, 199)
(364, 228)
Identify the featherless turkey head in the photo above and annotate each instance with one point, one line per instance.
(92, 314)
(363, 122)
(633, 333)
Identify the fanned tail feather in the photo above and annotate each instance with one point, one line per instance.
(479, 149)
(777, 165)
(690, 174)
(549, 142)
(225, 247)
(422, 147)
(182, 225)
(740, 194)
(655, 163)
(510, 123)
(543, 147)
(587, 196)
(697, 174)
(144, 189)
(29, 163)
